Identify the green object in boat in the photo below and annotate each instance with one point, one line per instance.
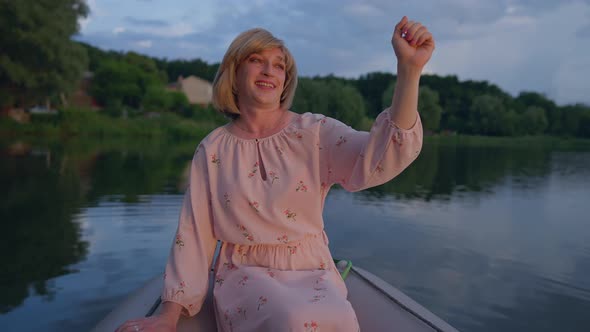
(343, 265)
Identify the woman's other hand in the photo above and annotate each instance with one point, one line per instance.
(159, 323)
(413, 43)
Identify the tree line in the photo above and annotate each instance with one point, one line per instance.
(41, 63)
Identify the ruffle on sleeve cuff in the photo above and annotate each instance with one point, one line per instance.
(387, 117)
(176, 296)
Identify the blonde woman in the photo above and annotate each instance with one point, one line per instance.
(258, 185)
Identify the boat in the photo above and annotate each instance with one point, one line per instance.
(378, 305)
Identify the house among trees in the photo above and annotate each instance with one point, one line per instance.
(197, 90)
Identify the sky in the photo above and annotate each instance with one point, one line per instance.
(519, 45)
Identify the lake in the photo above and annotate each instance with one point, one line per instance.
(489, 236)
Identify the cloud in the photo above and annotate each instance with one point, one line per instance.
(144, 43)
(516, 44)
(118, 30)
(148, 22)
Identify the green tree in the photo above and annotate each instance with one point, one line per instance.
(428, 105)
(388, 95)
(118, 82)
(527, 99)
(372, 87)
(429, 108)
(185, 68)
(488, 116)
(584, 126)
(333, 98)
(38, 59)
(121, 81)
(311, 96)
(157, 99)
(533, 121)
(346, 104)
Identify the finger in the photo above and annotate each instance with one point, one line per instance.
(403, 30)
(406, 27)
(424, 38)
(412, 30)
(128, 326)
(416, 35)
(399, 26)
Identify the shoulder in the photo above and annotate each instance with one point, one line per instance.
(214, 137)
(312, 120)
(210, 141)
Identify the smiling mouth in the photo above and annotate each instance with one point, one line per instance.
(265, 84)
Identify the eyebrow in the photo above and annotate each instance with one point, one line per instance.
(281, 58)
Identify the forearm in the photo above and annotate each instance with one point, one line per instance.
(171, 311)
(405, 98)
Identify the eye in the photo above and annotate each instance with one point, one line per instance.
(255, 59)
(280, 66)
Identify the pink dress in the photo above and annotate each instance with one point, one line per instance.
(263, 198)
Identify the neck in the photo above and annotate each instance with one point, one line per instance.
(259, 121)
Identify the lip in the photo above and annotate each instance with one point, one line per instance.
(265, 84)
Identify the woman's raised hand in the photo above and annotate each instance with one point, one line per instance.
(413, 43)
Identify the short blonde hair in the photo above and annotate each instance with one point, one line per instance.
(248, 42)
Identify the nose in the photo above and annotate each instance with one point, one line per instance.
(267, 69)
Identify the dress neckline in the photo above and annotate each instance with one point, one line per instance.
(279, 131)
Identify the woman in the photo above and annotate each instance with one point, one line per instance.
(259, 183)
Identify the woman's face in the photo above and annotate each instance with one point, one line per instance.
(260, 78)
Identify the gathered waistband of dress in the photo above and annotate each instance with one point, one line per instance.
(307, 237)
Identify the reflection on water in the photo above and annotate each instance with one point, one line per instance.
(489, 238)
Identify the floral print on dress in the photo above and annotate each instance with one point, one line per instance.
(261, 302)
(341, 141)
(241, 251)
(219, 280)
(279, 150)
(181, 287)
(319, 289)
(241, 312)
(179, 241)
(317, 298)
(228, 320)
(397, 138)
(273, 176)
(283, 239)
(296, 134)
(311, 326)
(290, 215)
(227, 198)
(318, 285)
(245, 233)
(230, 266)
(270, 273)
(243, 281)
(215, 160)
(292, 249)
(379, 168)
(253, 171)
(301, 187)
(255, 205)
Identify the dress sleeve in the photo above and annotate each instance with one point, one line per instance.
(358, 160)
(186, 279)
